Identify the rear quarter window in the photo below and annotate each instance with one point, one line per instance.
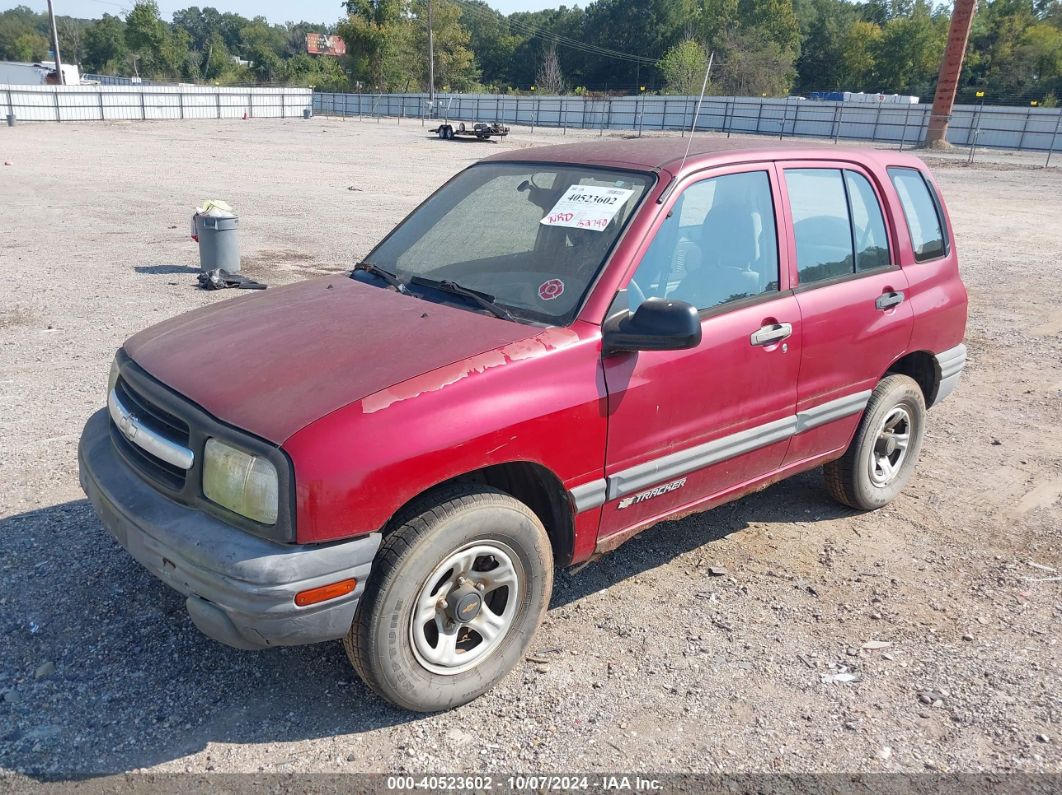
(922, 213)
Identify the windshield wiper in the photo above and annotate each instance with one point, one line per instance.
(482, 299)
(380, 273)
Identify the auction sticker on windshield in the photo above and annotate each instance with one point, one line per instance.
(587, 207)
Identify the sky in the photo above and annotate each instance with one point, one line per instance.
(273, 10)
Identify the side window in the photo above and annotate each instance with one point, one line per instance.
(718, 244)
(868, 224)
(920, 210)
(820, 223)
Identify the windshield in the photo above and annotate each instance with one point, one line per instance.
(532, 237)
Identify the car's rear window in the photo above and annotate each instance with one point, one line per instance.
(920, 210)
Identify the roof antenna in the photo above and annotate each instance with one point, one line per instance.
(697, 115)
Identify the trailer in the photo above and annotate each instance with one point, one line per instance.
(478, 130)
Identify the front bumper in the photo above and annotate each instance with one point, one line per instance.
(240, 588)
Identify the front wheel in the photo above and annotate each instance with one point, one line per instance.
(881, 458)
(456, 593)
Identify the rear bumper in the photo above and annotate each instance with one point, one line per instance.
(950, 364)
(241, 589)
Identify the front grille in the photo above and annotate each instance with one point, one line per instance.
(162, 422)
(175, 429)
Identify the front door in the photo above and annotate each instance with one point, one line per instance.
(688, 425)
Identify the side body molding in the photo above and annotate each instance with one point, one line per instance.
(597, 492)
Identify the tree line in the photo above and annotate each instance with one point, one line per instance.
(198, 45)
(757, 47)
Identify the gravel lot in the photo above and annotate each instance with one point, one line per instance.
(646, 661)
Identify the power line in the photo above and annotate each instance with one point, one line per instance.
(556, 39)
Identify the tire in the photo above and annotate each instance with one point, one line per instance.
(477, 527)
(441, 132)
(449, 133)
(873, 470)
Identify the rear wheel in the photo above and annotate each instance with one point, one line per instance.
(881, 458)
(456, 593)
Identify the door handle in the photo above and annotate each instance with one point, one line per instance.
(888, 300)
(776, 332)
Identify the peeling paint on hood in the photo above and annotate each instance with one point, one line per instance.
(549, 340)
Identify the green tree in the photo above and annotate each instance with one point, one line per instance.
(530, 50)
(21, 31)
(145, 32)
(773, 21)
(321, 73)
(1014, 51)
(105, 47)
(455, 65)
(146, 38)
(856, 59)
(491, 40)
(261, 44)
(908, 54)
(217, 62)
(30, 47)
(1040, 53)
(753, 65)
(645, 28)
(379, 42)
(715, 18)
(683, 68)
(824, 29)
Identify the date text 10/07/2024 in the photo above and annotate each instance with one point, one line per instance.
(616, 783)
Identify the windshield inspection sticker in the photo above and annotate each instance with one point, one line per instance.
(587, 207)
(554, 288)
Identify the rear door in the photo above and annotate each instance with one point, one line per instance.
(687, 425)
(855, 313)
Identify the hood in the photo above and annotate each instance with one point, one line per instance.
(273, 362)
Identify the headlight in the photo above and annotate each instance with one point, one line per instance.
(243, 483)
(112, 379)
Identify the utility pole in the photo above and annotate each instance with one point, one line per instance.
(431, 58)
(950, 70)
(55, 46)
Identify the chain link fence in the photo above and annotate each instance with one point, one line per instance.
(1029, 129)
(144, 103)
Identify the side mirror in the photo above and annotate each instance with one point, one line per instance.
(657, 325)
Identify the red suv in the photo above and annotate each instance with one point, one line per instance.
(558, 349)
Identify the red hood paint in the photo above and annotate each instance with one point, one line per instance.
(273, 362)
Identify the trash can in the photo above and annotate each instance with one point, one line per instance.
(307, 113)
(219, 245)
(11, 120)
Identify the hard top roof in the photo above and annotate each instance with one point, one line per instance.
(666, 153)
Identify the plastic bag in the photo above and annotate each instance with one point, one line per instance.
(213, 208)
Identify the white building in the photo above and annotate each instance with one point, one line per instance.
(36, 74)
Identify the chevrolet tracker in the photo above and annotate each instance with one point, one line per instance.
(558, 349)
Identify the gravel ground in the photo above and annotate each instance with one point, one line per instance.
(646, 660)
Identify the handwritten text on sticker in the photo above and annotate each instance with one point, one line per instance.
(587, 207)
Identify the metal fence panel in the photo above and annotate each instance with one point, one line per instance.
(152, 102)
(900, 124)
